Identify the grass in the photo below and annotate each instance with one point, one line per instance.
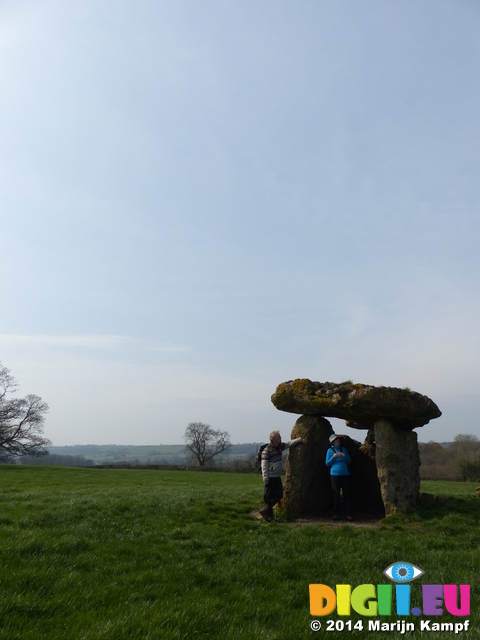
(113, 554)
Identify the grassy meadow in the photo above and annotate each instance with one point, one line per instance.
(141, 554)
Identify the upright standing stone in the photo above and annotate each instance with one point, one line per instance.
(398, 466)
(306, 476)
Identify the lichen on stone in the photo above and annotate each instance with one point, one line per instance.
(361, 405)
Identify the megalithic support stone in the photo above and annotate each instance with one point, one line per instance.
(307, 482)
(398, 466)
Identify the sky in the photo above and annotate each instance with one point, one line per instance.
(201, 200)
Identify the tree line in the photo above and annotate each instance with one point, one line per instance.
(58, 460)
(460, 460)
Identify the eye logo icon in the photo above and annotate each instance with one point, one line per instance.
(403, 572)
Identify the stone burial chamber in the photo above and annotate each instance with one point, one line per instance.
(385, 469)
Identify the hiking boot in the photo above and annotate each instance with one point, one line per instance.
(265, 515)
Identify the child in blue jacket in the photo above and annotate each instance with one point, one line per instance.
(338, 460)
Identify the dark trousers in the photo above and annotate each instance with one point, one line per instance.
(341, 482)
(273, 493)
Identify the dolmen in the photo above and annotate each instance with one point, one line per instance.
(385, 469)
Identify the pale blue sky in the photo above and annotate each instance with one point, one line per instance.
(200, 200)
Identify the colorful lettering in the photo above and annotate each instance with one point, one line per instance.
(343, 599)
(322, 600)
(363, 600)
(402, 594)
(366, 600)
(432, 599)
(384, 596)
(450, 595)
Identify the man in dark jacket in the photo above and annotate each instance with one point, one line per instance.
(272, 470)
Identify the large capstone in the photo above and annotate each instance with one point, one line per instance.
(385, 474)
(361, 405)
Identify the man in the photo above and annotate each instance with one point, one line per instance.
(272, 470)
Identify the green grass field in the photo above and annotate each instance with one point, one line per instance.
(138, 554)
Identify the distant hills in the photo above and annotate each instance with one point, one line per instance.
(149, 454)
(141, 454)
(240, 455)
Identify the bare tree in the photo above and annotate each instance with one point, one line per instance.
(203, 442)
(21, 422)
